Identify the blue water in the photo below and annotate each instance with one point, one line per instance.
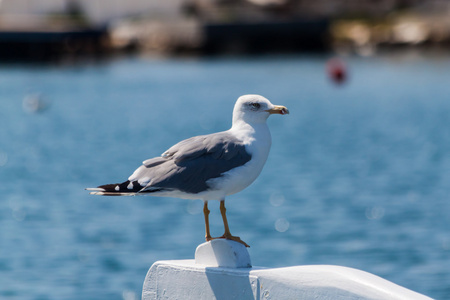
(358, 175)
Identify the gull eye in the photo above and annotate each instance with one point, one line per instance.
(255, 106)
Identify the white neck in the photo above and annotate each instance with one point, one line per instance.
(252, 119)
(249, 133)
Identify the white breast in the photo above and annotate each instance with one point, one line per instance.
(257, 141)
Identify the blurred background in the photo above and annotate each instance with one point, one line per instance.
(49, 29)
(358, 174)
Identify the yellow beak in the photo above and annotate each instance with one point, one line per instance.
(279, 109)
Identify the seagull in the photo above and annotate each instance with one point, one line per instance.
(208, 167)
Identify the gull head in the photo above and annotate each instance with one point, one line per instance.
(255, 109)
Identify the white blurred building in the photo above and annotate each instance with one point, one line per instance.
(96, 11)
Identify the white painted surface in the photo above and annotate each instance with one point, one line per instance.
(183, 279)
(222, 253)
(188, 279)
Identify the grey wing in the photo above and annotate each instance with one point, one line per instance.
(188, 165)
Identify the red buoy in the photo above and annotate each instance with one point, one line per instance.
(337, 70)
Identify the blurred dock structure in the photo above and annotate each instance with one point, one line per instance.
(50, 29)
(39, 31)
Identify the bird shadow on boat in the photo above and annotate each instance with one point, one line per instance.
(232, 283)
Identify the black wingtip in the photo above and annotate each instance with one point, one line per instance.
(123, 188)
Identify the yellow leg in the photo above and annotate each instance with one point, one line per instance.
(206, 213)
(227, 235)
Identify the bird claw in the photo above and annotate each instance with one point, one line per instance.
(234, 238)
(237, 239)
(228, 237)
